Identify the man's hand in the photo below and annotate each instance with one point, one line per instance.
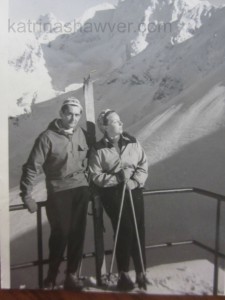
(30, 204)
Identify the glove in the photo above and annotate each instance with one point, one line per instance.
(124, 175)
(120, 176)
(30, 204)
(131, 184)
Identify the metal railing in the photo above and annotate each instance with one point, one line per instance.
(219, 198)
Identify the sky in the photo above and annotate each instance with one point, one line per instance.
(65, 10)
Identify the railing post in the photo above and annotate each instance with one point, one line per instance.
(5, 281)
(40, 247)
(217, 244)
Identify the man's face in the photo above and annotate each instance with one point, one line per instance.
(70, 116)
(114, 126)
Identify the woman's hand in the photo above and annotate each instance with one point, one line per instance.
(131, 184)
(124, 175)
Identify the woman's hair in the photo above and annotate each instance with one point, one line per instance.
(103, 119)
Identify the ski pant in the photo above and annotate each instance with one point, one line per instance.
(127, 245)
(66, 213)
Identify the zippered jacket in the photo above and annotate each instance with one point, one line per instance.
(105, 161)
(61, 156)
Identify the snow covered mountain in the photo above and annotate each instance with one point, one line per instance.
(47, 28)
(103, 39)
(90, 13)
(27, 72)
(111, 37)
(28, 76)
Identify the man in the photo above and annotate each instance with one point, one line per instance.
(61, 152)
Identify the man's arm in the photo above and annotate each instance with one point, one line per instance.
(32, 168)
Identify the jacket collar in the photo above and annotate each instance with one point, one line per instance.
(124, 140)
(56, 126)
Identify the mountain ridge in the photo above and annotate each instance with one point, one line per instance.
(67, 58)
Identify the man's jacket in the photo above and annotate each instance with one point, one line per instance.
(105, 161)
(62, 157)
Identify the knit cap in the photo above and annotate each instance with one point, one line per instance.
(72, 101)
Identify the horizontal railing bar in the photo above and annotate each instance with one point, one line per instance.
(31, 264)
(208, 248)
(169, 244)
(45, 261)
(185, 190)
(147, 193)
(25, 265)
(23, 206)
(209, 194)
(167, 191)
(109, 252)
(17, 207)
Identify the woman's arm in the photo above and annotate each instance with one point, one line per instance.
(141, 171)
(97, 174)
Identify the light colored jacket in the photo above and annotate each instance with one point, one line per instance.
(105, 161)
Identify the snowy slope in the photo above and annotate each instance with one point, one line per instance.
(166, 91)
(47, 28)
(90, 13)
(27, 72)
(28, 76)
(184, 278)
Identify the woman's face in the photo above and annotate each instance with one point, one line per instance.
(114, 126)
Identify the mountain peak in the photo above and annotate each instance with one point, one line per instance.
(49, 26)
(48, 18)
(90, 12)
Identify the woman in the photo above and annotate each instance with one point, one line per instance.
(115, 160)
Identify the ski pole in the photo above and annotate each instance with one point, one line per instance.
(117, 229)
(136, 230)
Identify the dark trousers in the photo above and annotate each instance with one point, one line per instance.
(66, 212)
(127, 245)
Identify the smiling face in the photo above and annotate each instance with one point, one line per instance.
(114, 125)
(70, 116)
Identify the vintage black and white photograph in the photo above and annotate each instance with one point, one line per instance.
(116, 135)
